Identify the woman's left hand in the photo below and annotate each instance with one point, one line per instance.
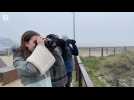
(40, 40)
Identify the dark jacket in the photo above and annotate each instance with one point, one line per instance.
(58, 70)
(68, 52)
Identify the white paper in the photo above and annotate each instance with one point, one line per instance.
(42, 59)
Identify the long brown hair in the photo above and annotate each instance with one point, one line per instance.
(25, 38)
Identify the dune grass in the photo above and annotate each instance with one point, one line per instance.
(116, 71)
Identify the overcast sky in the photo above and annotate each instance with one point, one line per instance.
(92, 28)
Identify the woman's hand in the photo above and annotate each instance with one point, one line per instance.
(45, 40)
(41, 40)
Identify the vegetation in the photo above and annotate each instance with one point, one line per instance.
(115, 71)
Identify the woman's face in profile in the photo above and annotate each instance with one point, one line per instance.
(31, 44)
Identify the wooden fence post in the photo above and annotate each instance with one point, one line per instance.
(102, 51)
(80, 77)
(114, 51)
(89, 52)
(107, 51)
(125, 49)
(76, 67)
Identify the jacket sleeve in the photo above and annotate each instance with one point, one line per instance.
(25, 68)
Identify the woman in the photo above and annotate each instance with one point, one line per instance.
(29, 74)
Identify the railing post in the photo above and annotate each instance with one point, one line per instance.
(80, 78)
(89, 51)
(114, 51)
(125, 49)
(94, 51)
(107, 51)
(78, 72)
(102, 51)
(76, 67)
(82, 74)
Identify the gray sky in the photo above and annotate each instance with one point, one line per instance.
(92, 28)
